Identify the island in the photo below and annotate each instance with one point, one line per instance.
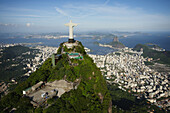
(116, 43)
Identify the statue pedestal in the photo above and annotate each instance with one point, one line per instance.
(71, 40)
(71, 44)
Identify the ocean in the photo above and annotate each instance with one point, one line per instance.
(161, 39)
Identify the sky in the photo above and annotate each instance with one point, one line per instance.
(91, 15)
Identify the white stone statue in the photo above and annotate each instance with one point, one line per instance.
(71, 25)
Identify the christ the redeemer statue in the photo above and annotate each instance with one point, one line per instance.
(71, 25)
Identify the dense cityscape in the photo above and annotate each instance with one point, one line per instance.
(127, 68)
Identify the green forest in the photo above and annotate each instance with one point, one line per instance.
(91, 86)
(125, 102)
(158, 56)
(13, 55)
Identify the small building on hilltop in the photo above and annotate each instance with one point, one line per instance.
(33, 88)
(36, 86)
(27, 91)
(75, 55)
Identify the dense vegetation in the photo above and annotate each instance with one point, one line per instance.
(158, 56)
(125, 102)
(13, 55)
(113, 44)
(90, 96)
(86, 98)
(14, 100)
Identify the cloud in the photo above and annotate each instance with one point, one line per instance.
(115, 16)
(31, 16)
(99, 10)
(2, 24)
(106, 2)
(27, 16)
(89, 10)
(19, 9)
(61, 12)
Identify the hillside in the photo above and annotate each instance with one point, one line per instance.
(126, 102)
(13, 60)
(91, 95)
(158, 56)
(117, 44)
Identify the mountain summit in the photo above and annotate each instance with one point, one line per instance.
(67, 82)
